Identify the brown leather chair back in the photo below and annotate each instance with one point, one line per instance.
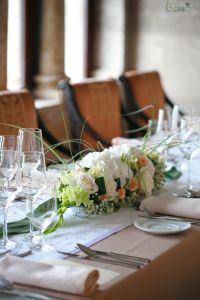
(141, 89)
(17, 109)
(94, 111)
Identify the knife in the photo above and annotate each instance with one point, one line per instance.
(127, 264)
(113, 255)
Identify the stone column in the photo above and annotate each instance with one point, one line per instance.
(51, 56)
(108, 38)
(3, 43)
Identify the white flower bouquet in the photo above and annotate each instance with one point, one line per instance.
(102, 181)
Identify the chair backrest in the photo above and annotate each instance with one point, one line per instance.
(17, 109)
(94, 109)
(141, 89)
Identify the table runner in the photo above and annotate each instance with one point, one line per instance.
(85, 231)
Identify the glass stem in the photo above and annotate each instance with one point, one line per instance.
(31, 228)
(189, 173)
(41, 240)
(31, 225)
(5, 229)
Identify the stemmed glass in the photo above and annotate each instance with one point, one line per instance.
(9, 142)
(32, 178)
(189, 143)
(32, 163)
(30, 140)
(9, 163)
(42, 213)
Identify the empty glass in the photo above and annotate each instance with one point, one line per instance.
(30, 140)
(42, 213)
(188, 145)
(9, 163)
(32, 179)
(9, 142)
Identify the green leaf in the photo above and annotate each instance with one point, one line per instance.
(21, 226)
(101, 184)
(173, 173)
(55, 226)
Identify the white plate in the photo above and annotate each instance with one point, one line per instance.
(161, 226)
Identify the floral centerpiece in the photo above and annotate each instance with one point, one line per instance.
(102, 181)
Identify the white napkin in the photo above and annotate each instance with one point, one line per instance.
(121, 140)
(177, 206)
(55, 277)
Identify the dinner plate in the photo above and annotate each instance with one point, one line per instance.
(161, 226)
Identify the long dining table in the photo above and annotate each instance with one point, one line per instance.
(174, 270)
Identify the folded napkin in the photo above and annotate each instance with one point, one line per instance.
(177, 206)
(121, 140)
(55, 277)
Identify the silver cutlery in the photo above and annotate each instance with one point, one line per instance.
(7, 287)
(16, 253)
(127, 264)
(23, 254)
(158, 216)
(115, 255)
(194, 193)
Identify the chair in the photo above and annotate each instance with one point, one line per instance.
(94, 112)
(17, 110)
(141, 89)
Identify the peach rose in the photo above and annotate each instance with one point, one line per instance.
(121, 193)
(142, 160)
(103, 197)
(133, 184)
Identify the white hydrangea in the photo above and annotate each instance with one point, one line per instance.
(90, 160)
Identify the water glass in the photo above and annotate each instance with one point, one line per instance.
(32, 178)
(9, 163)
(189, 137)
(42, 213)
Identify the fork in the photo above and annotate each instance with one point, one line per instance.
(158, 216)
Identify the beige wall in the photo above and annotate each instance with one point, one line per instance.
(170, 43)
(142, 34)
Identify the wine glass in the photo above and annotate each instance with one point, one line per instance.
(42, 213)
(32, 178)
(9, 163)
(9, 142)
(189, 144)
(30, 140)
